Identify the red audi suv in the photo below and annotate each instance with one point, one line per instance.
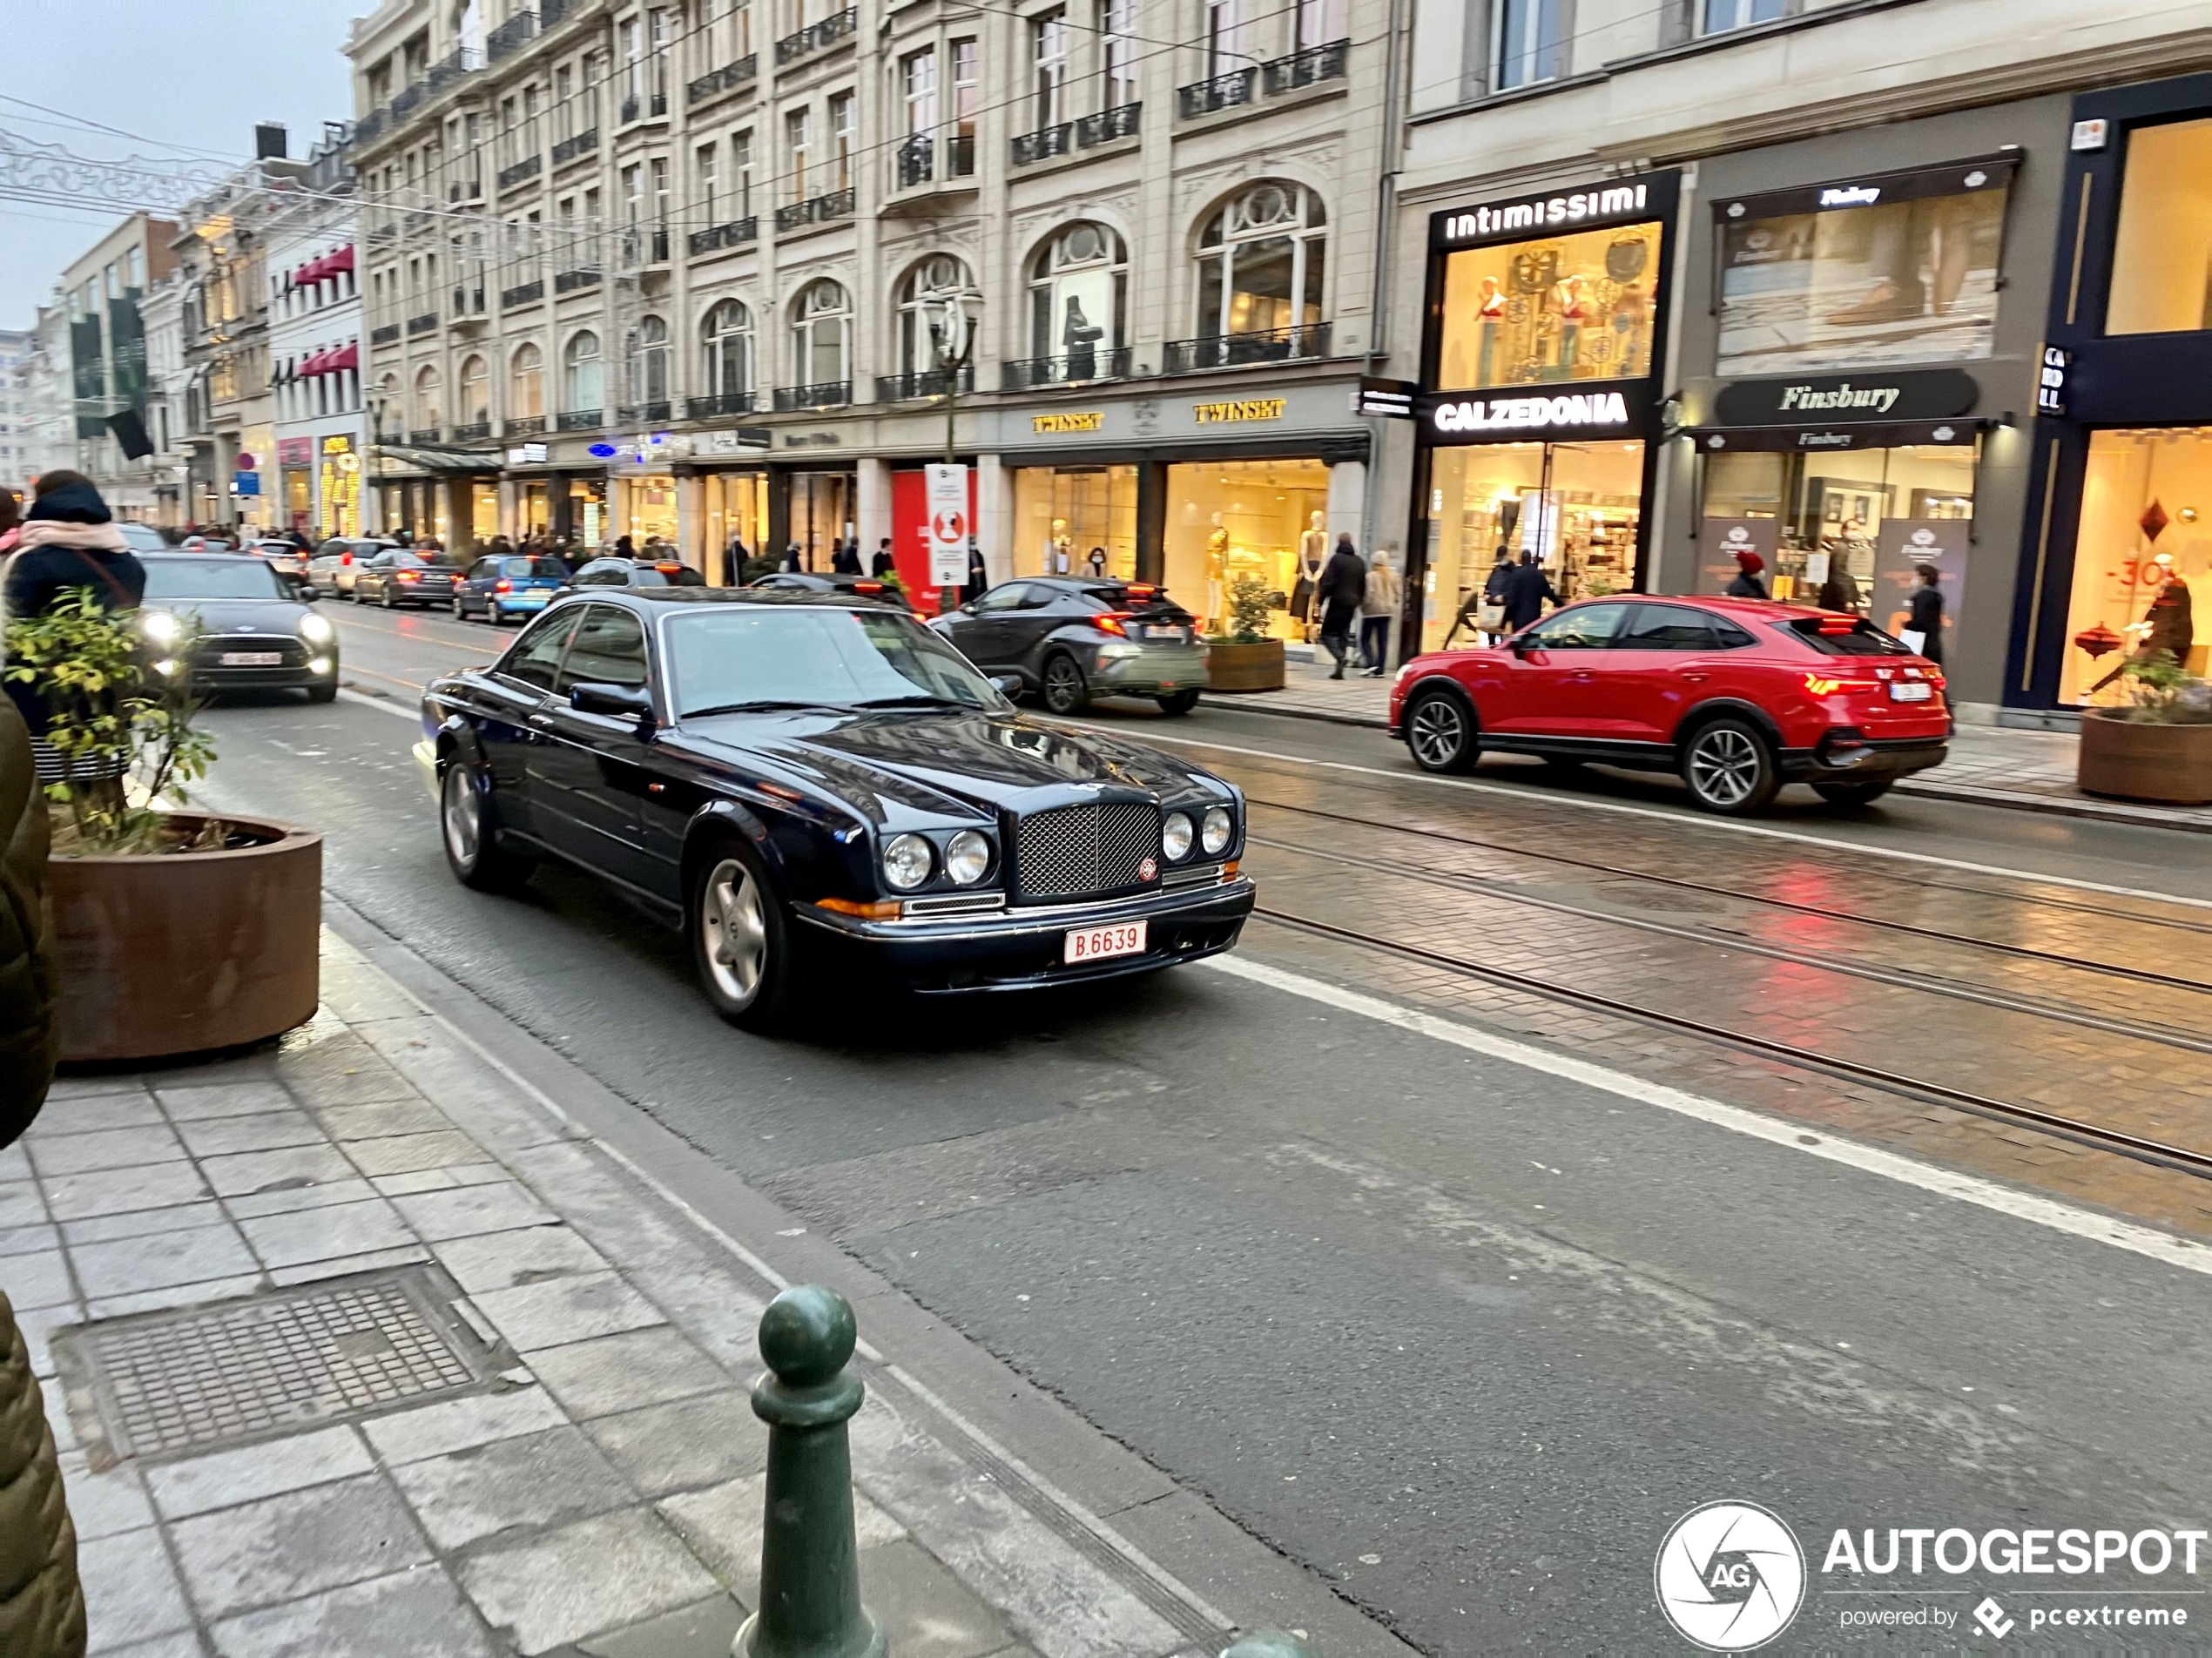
(1738, 695)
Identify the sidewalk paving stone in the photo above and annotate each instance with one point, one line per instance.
(326, 1231)
(157, 1260)
(506, 1260)
(282, 1547)
(455, 1425)
(77, 1153)
(128, 1577)
(596, 1575)
(544, 1479)
(418, 1613)
(626, 1372)
(686, 1444)
(561, 1310)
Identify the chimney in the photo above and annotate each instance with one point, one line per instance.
(270, 143)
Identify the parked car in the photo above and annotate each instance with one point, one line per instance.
(142, 538)
(206, 544)
(1071, 638)
(255, 630)
(282, 556)
(817, 791)
(635, 572)
(497, 587)
(332, 569)
(1738, 695)
(397, 576)
(841, 582)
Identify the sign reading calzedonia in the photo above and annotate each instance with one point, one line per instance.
(1617, 408)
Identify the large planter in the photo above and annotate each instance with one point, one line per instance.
(180, 953)
(1245, 667)
(2171, 764)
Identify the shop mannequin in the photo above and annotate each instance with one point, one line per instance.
(1312, 553)
(2195, 563)
(1060, 550)
(1217, 572)
(1490, 312)
(1566, 295)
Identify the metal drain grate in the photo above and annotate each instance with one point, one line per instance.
(172, 1382)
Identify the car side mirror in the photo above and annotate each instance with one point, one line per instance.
(969, 609)
(1007, 685)
(616, 702)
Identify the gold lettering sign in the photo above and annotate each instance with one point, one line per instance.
(1249, 408)
(1090, 421)
(340, 445)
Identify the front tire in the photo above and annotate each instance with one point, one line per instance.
(1729, 768)
(741, 942)
(465, 828)
(1178, 702)
(1851, 795)
(1064, 690)
(460, 613)
(323, 693)
(1439, 733)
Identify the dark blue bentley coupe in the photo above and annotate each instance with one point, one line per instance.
(809, 785)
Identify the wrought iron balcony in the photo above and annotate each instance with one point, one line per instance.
(466, 190)
(580, 420)
(424, 434)
(727, 79)
(1043, 144)
(551, 12)
(917, 160)
(423, 324)
(525, 426)
(816, 36)
(1231, 350)
(580, 144)
(1222, 92)
(370, 127)
(528, 167)
(653, 414)
(384, 333)
(1120, 122)
(644, 106)
(831, 394)
(738, 233)
(1101, 362)
(1307, 68)
(522, 294)
(817, 211)
(510, 34)
(409, 98)
(706, 409)
(468, 301)
(569, 281)
(451, 68)
(472, 431)
(929, 382)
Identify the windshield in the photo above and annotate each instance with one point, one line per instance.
(216, 578)
(736, 657)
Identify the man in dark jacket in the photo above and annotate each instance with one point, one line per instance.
(1338, 596)
(844, 558)
(1527, 590)
(884, 564)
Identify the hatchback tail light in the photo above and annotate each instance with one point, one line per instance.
(1819, 685)
(503, 586)
(344, 558)
(407, 576)
(1114, 622)
(668, 570)
(867, 587)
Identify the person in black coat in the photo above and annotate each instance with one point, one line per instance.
(884, 564)
(1747, 585)
(1527, 590)
(1925, 605)
(844, 558)
(979, 576)
(734, 558)
(1338, 596)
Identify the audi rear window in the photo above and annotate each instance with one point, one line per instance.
(1828, 636)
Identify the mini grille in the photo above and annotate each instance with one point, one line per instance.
(1074, 850)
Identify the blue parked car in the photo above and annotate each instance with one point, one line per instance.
(496, 588)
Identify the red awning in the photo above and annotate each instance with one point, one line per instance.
(339, 259)
(344, 357)
(315, 364)
(309, 274)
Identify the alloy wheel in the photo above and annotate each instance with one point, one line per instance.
(736, 931)
(1064, 686)
(463, 816)
(1724, 765)
(1438, 732)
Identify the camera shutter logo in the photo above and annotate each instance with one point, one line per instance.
(1730, 1576)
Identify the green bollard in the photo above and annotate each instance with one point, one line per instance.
(1271, 1643)
(810, 1570)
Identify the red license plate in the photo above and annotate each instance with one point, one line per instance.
(1097, 943)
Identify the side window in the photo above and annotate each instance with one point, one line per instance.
(600, 575)
(536, 655)
(1730, 637)
(1665, 627)
(483, 569)
(1010, 597)
(1585, 627)
(1038, 596)
(610, 649)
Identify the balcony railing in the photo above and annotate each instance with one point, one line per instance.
(1044, 143)
(738, 233)
(916, 159)
(1231, 350)
(551, 12)
(370, 127)
(929, 382)
(652, 413)
(472, 431)
(510, 34)
(525, 426)
(829, 395)
(819, 210)
(423, 324)
(1120, 122)
(522, 294)
(1100, 363)
(706, 409)
(1307, 68)
(727, 79)
(815, 36)
(408, 98)
(449, 69)
(424, 434)
(468, 301)
(384, 333)
(528, 167)
(644, 106)
(582, 143)
(466, 189)
(1222, 92)
(569, 281)
(580, 420)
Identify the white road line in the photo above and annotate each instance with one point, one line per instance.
(348, 694)
(2162, 1247)
(1680, 819)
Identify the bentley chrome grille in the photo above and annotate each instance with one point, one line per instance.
(1074, 850)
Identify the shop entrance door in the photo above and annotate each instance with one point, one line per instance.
(821, 515)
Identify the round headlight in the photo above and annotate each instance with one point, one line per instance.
(906, 862)
(316, 627)
(158, 626)
(1213, 834)
(1175, 836)
(967, 855)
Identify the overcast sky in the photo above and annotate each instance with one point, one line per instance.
(190, 77)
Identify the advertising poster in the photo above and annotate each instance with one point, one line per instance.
(947, 527)
(1719, 540)
(1560, 308)
(1902, 546)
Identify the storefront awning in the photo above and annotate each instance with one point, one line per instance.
(1842, 435)
(427, 458)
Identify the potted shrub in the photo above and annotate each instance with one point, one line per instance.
(2157, 744)
(176, 931)
(1245, 658)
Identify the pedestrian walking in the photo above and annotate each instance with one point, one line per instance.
(1096, 560)
(1343, 585)
(1377, 611)
(883, 563)
(1926, 606)
(625, 548)
(1838, 592)
(1528, 591)
(734, 558)
(979, 576)
(844, 558)
(1747, 584)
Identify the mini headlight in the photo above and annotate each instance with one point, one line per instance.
(316, 627)
(1175, 836)
(1213, 834)
(158, 626)
(967, 855)
(906, 862)
(318, 665)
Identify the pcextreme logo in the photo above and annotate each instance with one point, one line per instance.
(1730, 1576)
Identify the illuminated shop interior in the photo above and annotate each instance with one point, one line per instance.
(2146, 526)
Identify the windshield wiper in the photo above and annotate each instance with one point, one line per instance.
(765, 705)
(923, 701)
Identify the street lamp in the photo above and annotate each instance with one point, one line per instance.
(949, 314)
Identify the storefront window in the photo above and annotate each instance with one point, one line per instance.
(733, 504)
(341, 482)
(821, 514)
(588, 511)
(648, 511)
(1229, 519)
(2161, 260)
(1857, 276)
(1577, 507)
(484, 509)
(2142, 562)
(1567, 307)
(1075, 520)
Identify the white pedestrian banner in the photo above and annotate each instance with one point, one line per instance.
(948, 528)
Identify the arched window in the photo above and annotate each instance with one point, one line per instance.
(582, 390)
(474, 408)
(648, 361)
(940, 274)
(423, 412)
(1261, 261)
(1078, 301)
(821, 335)
(526, 385)
(728, 336)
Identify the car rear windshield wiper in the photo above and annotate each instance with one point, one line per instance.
(922, 701)
(764, 705)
